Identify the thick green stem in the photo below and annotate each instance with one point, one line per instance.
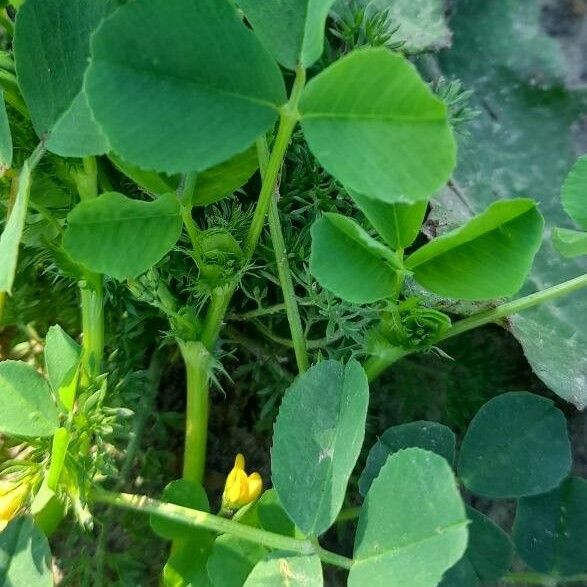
(91, 289)
(219, 301)
(545, 580)
(92, 306)
(376, 365)
(283, 269)
(287, 122)
(197, 361)
(515, 306)
(200, 519)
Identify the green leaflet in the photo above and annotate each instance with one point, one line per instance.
(28, 408)
(350, 263)
(375, 125)
(5, 138)
(569, 243)
(398, 224)
(184, 95)
(516, 445)
(100, 229)
(426, 435)
(25, 558)
(316, 442)
(13, 229)
(232, 560)
(422, 25)
(192, 546)
(293, 30)
(285, 570)
(62, 360)
(412, 526)
(488, 257)
(211, 184)
(574, 194)
(220, 181)
(488, 556)
(62, 356)
(50, 70)
(550, 530)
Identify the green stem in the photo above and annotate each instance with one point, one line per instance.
(546, 580)
(219, 300)
(197, 361)
(92, 288)
(288, 119)
(200, 519)
(283, 269)
(515, 306)
(376, 365)
(92, 307)
(193, 232)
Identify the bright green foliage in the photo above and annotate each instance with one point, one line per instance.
(272, 516)
(398, 224)
(28, 408)
(350, 263)
(292, 30)
(221, 180)
(550, 530)
(422, 26)
(13, 229)
(316, 442)
(426, 435)
(211, 184)
(488, 257)
(185, 92)
(25, 558)
(232, 560)
(488, 556)
(377, 127)
(574, 194)
(412, 526)
(187, 561)
(5, 138)
(51, 67)
(516, 445)
(151, 181)
(187, 494)
(122, 237)
(570, 243)
(62, 355)
(284, 570)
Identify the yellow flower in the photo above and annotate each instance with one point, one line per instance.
(241, 489)
(12, 497)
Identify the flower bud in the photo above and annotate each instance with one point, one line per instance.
(241, 489)
(12, 497)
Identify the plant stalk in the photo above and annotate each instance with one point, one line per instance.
(545, 580)
(92, 307)
(287, 122)
(200, 519)
(376, 365)
(92, 288)
(515, 306)
(283, 269)
(197, 361)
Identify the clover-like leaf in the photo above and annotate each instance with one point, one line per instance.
(186, 94)
(376, 126)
